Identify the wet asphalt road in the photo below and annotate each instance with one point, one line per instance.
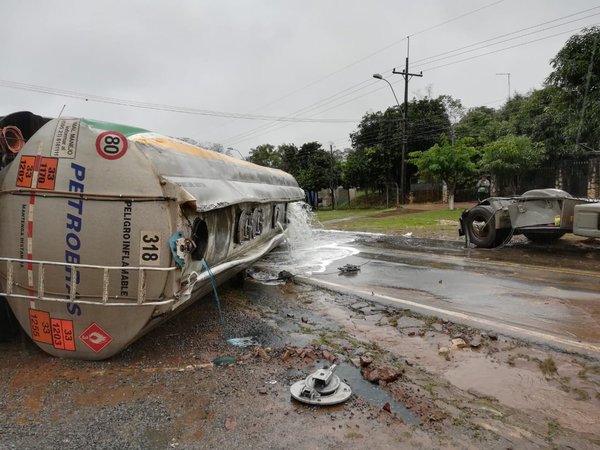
(547, 294)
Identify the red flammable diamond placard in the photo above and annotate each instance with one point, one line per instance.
(95, 337)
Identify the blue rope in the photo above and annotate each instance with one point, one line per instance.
(214, 286)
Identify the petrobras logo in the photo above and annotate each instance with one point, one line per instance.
(74, 225)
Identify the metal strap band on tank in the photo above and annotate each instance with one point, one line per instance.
(72, 295)
(41, 277)
(96, 303)
(105, 282)
(88, 195)
(141, 286)
(9, 277)
(73, 286)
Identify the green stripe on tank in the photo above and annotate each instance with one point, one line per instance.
(108, 126)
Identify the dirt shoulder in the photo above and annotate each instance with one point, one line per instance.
(166, 391)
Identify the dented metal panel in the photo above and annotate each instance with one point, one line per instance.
(212, 179)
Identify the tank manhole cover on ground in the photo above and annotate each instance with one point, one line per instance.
(322, 387)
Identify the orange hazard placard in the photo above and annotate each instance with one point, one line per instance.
(40, 326)
(25, 173)
(62, 335)
(47, 173)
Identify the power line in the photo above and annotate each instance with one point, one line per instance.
(232, 139)
(508, 48)
(427, 61)
(370, 55)
(253, 133)
(455, 18)
(158, 106)
(242, 136)
(513, 32)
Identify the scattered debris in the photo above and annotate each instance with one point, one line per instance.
(365, 360)
(377, 374)
(348, 268)
(475, 342)
(243, 341)
(286, 276)
(459, 343)
(261, 353)
(444, 351)
(230, 423)
(224, 361)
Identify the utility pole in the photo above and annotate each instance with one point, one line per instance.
(407, 76)
(507, 76)
(331, 177)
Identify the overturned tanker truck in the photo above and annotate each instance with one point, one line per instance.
(541, 215)
(108, 230)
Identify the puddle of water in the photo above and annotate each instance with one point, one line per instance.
(370, 392)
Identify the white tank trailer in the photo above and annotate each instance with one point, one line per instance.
(108, 230)
(542, 215)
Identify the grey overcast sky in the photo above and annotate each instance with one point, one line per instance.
(299, 60)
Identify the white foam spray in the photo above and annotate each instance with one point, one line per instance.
(309, 248)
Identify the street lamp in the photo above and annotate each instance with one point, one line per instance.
(380, 77)
(231, 149)
(402, 162)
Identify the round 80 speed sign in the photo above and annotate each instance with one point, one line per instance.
(111, 144)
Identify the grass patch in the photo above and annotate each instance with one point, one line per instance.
(354, 435)
(429, 321)
(400, 223)
(588, 369)
(580, 394)
(547, 366)
(324, 215)
(553, 429)
(511, 361)
(429, 388)
(457, 421)
(328, 338)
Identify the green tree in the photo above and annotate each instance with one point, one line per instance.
(314, 167)
(265, 155)
(576, 76)
(511, 157)
(450, 163)
(539, 117)
(379, 137)
(483, 124)
(288, 154)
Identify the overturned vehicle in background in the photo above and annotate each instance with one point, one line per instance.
(542, 215)
(108, 230)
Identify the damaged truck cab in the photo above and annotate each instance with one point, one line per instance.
(541, 215)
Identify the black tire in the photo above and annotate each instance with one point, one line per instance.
(9, 327)
(238, 280)
(481, 227)
(502, 237)
(544, 237)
